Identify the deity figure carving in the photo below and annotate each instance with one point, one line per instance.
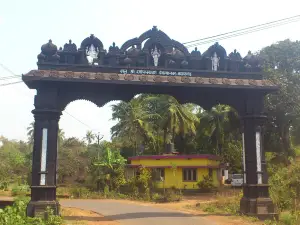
(92, 53)
(155, 54)
(215, 62)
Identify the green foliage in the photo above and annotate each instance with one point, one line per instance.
(118, 178)
(206, 184)
(169, 195)
(80, 192)
(143, 182)
(107, 169)
(285, 187)
(215, 125)
(132, 127)
(286, 218)
(20, 190)
(16, 215)
(152, 121)
(227, 205)
(232, 154)
(282, 63)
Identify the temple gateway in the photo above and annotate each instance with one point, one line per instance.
(151, 63)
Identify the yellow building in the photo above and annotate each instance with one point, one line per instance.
(181, 171)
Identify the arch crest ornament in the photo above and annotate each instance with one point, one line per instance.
(154, 37)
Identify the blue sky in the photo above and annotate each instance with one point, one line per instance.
(26, 25)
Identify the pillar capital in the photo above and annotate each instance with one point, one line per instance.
(256, 117)
(46, 114)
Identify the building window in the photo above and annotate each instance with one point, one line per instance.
(189, 174)
(159, 174)
(210, 172)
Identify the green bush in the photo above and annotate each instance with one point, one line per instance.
(224, 205)
(118, 178)
(80, 192)
(170, 195)
(16, 215)
(286, 218)
(290, 219)
(206, 185)
(285, 187)
(20, 190)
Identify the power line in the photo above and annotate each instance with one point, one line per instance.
(8, 70)
(78, 120)
(7, 84)
(239, 34)
(244, 29)
(14, 75)
(10, 77)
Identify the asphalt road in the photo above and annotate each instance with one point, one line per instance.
(135, 214)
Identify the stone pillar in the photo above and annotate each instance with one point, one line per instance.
(256, 200)
(43, 187)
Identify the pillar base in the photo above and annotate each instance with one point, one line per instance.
(38, 208)
(257, 203)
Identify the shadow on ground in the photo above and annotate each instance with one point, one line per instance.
(86, 218)
(139, 215)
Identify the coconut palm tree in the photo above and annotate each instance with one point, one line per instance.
(133, 126)
(216, 123)
(30, 131)
(176, 119)
(89, 137)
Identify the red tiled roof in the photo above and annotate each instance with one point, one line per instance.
(156, 157)
(183, 167)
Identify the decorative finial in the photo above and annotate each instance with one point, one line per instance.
(154, 28)
(196, 49)
(92, 36)
(114, 44)
(70, 41)
(50, 41)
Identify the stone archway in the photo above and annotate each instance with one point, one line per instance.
(66, 75)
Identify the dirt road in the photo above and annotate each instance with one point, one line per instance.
(136, 214)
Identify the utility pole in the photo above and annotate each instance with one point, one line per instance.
(99, 137)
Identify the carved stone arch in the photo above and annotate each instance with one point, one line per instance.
(129, 43)
(145, 35)
(215, 48)
(180, 47)
(92, 40)
(162, 41)
(154, 33)
(150, 43)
